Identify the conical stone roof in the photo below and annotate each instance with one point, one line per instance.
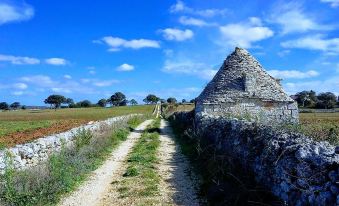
(242, 77)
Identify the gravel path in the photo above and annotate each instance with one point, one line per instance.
(178, 185)
(98, 184)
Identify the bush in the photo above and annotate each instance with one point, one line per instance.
(83, 137)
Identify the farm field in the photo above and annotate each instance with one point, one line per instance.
(17, 127)
(321, 126)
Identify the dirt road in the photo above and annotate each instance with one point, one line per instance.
(97, 185)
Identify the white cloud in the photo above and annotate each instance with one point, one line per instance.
(125, 67)
(18, 59)
(284, 52)
(177, 34)
(66, 76)
(189, 68)
(292, 19)
(45, 83)
(40, 80)
(168, 52)
(244, 34)
(21, 86)
(193, 21)
(56, 61)
(180, 7)
(315, 42)
(330, 84)
(116, 43)
(333, 3)
(105, 83)
(99, 82)
(293, 74)
(15, 12)
(61, 90)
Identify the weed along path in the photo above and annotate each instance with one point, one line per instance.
(91, 191)
(178, 184)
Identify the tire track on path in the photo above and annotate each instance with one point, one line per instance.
(97, 185)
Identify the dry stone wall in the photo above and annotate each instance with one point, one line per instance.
(30, 154)
(295, 168)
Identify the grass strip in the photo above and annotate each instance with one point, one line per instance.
(140, 182)
(63, 172)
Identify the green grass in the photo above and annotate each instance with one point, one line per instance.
(64, 171)
(141, 181)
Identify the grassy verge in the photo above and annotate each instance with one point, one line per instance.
(140, 180)
(64, 171)
(222, 182)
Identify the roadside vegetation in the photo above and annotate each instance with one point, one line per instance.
(140, 181)
(64, 171)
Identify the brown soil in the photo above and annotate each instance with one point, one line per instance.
(27, 136)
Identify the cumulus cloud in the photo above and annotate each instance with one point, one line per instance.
(180, 7)
(19, 59)
(56, 61)
(244, 34)
(177, 34)
(292, 74)
(125, 68)
(333, 3)
(39, 80)
(189, 68)
(116, 43)
(331, 83)
(46, 83)
(190, 21)
(21, 86)
(15, 12)
(292, 19)
(314, 42)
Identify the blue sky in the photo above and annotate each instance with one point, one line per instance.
(89, 50)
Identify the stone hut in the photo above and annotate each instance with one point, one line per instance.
(242, 88)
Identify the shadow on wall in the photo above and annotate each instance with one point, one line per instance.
(223, 181)
(241, 161)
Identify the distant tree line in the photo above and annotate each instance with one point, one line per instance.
(13, 106)
(309, 99)
(117, 99)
